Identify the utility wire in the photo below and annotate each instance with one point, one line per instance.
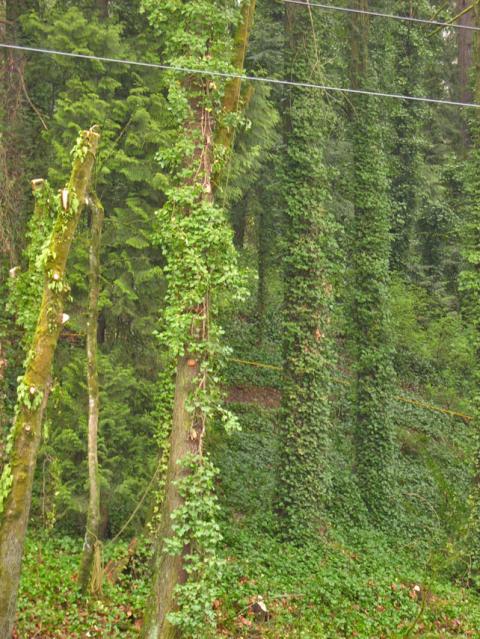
(390, 16)
(227, 75)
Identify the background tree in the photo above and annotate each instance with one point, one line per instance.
(92, 533)
(370, 287)
(309, 240)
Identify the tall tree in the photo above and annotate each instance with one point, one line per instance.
(409, 147)
(17, 477)
(200, 261)
(370, 286)
(470, 282)
(12, 88)
(465, 9)
(309, 250)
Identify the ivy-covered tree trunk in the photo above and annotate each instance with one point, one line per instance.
(92, 533)
(168, 569)
(199, 251)
(310, 245)
(370, 288)
(470, 285)
(408, 120)
(17, 478)
(465, 47)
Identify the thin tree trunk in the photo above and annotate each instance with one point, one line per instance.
(262, 253)
(17, 478)
(93, 516)
(103, 8)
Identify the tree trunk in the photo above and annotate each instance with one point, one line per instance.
(370, 256)
(308, 293)
(262, 258)
(470, 287)
(11, 154)
(93, 516)
(168, 569)
(17, 478)
(103, 8)
(465, 49)
(188, 430)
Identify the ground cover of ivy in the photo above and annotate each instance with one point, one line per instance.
(359, 587)
(351, 581)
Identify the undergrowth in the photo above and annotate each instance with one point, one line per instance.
(411, 580)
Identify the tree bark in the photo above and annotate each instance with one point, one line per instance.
(93, 516)
(168, 570)
(17, 478)
(103, 8)
(11, 160)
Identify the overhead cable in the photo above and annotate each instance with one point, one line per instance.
(390, 16)
(240, 76)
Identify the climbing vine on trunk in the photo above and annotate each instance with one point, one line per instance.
(200, 271)
(310, 247)
(370, 289)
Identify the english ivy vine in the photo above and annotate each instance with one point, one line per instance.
(370, 320)
(201, 271)
(310, 249)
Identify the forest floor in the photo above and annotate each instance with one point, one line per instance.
(351, 583)
(360, 589)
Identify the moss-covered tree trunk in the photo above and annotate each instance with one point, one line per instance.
(370, 287)
(17, 478)
(309, 248)
(93, 515)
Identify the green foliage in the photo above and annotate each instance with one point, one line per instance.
(331, 448)
(26, 286)
(128, 421)
(59, 609)
(248, 461)
(195, 527)
(309, 258)
(369, 325)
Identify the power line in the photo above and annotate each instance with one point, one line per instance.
(228, 75)
(377, 14)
